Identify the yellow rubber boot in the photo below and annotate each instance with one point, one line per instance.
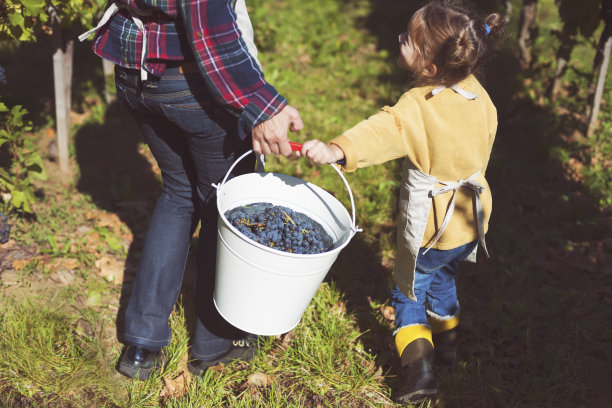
(415, 348)
(445, 331)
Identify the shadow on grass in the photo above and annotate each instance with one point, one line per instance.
(120, 180)
(536, 315)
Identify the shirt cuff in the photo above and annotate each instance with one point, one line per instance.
(259, 110)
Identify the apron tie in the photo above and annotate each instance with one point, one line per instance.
(454, 186)
(110, 12)
(466, 94)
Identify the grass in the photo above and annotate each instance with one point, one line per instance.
(52, 357)
(526, 339)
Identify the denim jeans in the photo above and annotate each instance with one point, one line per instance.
(194, 141)
(434, 286)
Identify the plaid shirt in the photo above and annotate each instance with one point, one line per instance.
(200, 30)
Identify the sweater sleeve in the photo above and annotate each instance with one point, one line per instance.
(375, 140)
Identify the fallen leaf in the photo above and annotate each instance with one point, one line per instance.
(71, 263)
(110, 269)
(111, 221)
(288, 337)
(258, 379)
(388, 312)
(19, 264)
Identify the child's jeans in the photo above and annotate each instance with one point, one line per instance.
(434, 287)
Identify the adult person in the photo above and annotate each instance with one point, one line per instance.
(187, 70)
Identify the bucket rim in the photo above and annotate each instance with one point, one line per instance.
(219, 187)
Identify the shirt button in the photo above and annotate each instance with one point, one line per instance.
(200, 35)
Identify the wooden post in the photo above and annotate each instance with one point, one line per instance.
(526, 21)
(62, 83)
(108, 68)
(62, 119)
(601, 82)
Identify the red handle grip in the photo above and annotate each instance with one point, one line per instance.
(295, 146)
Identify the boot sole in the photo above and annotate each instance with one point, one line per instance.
(418, 396)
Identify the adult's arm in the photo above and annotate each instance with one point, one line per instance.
(234, 76)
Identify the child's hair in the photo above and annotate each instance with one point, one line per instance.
(452, 38)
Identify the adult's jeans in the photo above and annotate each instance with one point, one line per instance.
(434, 286)
(194, 141)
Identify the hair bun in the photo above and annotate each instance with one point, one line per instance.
(495, 22)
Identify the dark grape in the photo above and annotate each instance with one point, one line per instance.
(280, 228)
(5, 228)
(2, 75)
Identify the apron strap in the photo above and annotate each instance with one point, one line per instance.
(454, 186)
(466, 94)
(110, 12)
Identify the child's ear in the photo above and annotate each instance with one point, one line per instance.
(430, 70)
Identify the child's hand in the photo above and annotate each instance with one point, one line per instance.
(321, 153)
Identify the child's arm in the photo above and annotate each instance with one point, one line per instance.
(321, 153)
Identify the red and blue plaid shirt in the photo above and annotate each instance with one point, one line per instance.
(200, 30)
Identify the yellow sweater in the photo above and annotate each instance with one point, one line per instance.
(447, 136)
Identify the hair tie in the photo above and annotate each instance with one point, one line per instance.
(487, 29)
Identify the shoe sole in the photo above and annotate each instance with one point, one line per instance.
(234, 354)
(135, 372)
(418, 396)
(140, 373)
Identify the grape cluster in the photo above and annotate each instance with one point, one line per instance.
(280, 228)
(5, 228)
(2, 75)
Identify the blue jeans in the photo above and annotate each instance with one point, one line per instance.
(194, 141)
(434, 286)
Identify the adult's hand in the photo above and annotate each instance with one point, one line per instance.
(270, 136)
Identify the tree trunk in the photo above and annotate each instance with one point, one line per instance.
(563, 56)
(526, 21)
(601, 79)
(597, 61)
(507, 10)
(62, 83)
(108, 68)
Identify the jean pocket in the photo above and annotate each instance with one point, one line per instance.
(194, 118)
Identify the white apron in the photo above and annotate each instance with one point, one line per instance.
(416, 194)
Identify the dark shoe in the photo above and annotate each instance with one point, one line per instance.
(243, 349)
(138, 362)
(445, 347)
(417, 383)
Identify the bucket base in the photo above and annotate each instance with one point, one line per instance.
(256, 328)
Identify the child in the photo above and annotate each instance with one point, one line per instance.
(444, 128)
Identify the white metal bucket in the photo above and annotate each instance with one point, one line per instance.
(262, 290)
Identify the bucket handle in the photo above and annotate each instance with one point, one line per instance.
(354, 227)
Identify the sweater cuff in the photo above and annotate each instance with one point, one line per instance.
(350, 155)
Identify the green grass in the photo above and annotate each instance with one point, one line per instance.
(52, 357)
